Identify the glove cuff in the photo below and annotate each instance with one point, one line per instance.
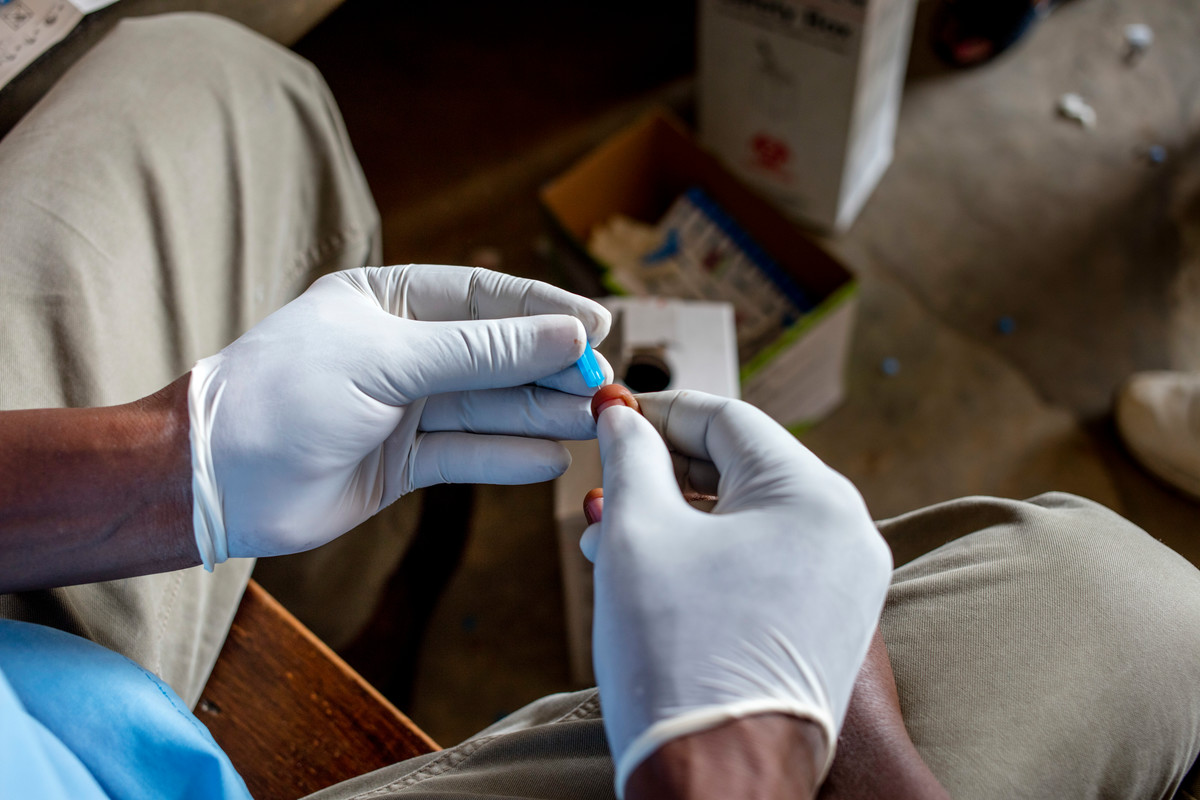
(208, 522)
(702, 719)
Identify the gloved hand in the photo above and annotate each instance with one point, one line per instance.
(766, 604)
(375, 382)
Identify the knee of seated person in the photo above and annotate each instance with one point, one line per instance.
(1133, 581)
(1055, 621)
(1063, 556)
(1130, 606)
(1088, 532)
(1086, 536)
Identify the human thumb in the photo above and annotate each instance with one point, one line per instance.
(639, 478)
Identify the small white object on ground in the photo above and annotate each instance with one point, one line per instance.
(1139, 37)
(1074, 107)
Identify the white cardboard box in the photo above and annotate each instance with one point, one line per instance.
(799, 98)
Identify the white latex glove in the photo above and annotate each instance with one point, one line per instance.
(378, 381)
(766, 604)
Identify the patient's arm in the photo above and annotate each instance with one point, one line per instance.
(90, 494)
(875, 756)
(757, 758)
(773, 756)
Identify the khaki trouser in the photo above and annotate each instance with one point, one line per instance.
(187, 177)
(1042, 649)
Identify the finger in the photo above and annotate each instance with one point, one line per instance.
(593, 506)
(571, 380)
(453, 457)
(589, 542)
(516, 411)
(438, 357)
(696, 474)
(638, 474)
(720, 430)
(445, 293)
(692, 475)
(682, 419)
(613, 394)
(593, 512)
(749, 451)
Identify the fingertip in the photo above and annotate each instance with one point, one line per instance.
(589, 542)
(566, 330)
(572, 379)
(580, 336)
(593, 506)
(612, 395)
(601, 323)
(562, 463)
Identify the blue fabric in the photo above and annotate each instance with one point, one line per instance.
(80, 721)
(33, 763)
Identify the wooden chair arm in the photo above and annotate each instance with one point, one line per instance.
(291, 714)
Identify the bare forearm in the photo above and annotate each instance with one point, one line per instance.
(95, 494)
(765, 757)
(875, 756)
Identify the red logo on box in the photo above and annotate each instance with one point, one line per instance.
(770, 153)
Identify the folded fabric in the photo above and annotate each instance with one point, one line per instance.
(81, 721)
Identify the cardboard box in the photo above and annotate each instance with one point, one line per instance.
(800, 97)
(640, 172)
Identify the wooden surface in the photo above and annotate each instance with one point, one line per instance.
(294, 717)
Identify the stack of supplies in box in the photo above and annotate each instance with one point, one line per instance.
(629, 215)
(699, 252)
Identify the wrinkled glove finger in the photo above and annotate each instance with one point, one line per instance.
(696, 474)
(749, 449)
(446, 293)
(516, 411)
(464, 356)
(454, 457)
(570, 380)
